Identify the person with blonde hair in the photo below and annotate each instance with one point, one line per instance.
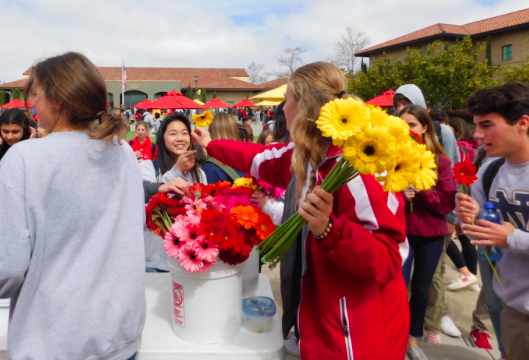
(223, 126)
(341, 281)
(72, 258)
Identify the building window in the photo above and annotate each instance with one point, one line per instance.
(133, 97)
(159, 95)
(229, 102)
(507, 52)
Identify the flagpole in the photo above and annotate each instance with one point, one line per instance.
(122, 87)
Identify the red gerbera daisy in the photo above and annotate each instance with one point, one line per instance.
(416, 137)
(465, 173)
(264, 226)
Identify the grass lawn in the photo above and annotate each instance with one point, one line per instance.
(132, 134)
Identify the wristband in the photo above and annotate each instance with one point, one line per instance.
(326, 232)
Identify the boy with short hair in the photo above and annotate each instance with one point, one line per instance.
(501, 115)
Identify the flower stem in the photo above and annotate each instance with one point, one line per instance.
(492, 266)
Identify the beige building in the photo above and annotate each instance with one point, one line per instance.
(230, 85)
(509, 36)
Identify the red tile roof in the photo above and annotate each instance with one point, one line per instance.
(474, 28)
(272, 84)
(210, 79)
(14, 84)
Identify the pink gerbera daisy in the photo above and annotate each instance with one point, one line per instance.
(208, 265)
(207, 250)
(172, 244)
(188, 229)
(189, 260)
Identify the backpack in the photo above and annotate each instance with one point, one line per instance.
(232, 174)
(437, 127)
(490, 174)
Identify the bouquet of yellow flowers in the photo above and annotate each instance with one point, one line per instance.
(374, 143)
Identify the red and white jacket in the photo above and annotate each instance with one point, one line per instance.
(354, 302)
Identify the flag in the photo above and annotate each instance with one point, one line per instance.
(124, 76)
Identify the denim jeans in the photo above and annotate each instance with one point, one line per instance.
(133, 357)
(425, 253)
(493, 301)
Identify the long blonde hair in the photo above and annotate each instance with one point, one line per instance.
(313, 86)
(224, 126)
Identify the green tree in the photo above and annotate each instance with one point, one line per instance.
(214, 94)
(488, 51)
(382, 75)
(15, 94)
(190, 92)
(515, 73)
(447, 75)
(204, 95)
(3, 97)
(363, 66)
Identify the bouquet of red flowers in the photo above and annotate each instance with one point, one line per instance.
(212, 221)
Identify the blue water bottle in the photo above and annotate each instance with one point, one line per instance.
(489, 213)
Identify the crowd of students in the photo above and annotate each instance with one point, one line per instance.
(73, 214)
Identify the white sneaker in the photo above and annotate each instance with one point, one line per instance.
(291, 347)
(462, 282)
(449, 328)
(475, 288)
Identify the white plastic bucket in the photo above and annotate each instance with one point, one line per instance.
(206, 305)
(250, 274)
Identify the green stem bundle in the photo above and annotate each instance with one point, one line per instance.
(277, 244)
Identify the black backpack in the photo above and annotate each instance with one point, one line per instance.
(490, 174)
(437, 127)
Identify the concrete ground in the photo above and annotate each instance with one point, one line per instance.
(460, 307)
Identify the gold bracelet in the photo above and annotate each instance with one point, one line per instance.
(326, 232)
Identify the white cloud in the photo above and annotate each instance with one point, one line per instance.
(176, 33)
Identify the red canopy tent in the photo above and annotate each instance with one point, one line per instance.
(142, 104)
(30, 103)
(384, 100)
(14, 104)
(216, 103)
(245, 103)
(173, 100)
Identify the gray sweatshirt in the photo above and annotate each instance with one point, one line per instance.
(72, 255)
(510, 194)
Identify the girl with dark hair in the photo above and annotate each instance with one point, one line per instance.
(281, 134)
(14, 127)
(173, 170)
(426, 226)
(72, 221)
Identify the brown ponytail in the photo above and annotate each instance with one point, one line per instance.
(76, 82)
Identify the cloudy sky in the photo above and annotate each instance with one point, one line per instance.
(211, 33)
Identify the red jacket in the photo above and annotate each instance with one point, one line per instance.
(354, 302)
(430, 207)
(146, 149)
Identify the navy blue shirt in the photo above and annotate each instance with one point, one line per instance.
(215, 173)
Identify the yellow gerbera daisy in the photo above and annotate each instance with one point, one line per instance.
(378, 116)
(371, 151)
(244, 182)
(426, 176)
(399, 129)
(341, 118)
(204, 119)
(404, 170)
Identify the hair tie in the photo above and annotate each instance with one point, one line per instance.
(341, 93)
